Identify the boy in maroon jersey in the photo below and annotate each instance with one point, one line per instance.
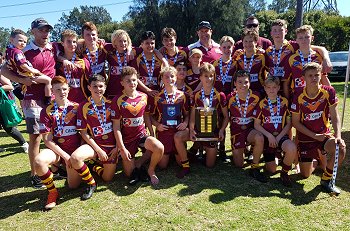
(274, 122)
(17, 62)
(94, 121)
(170, 112)
(252, 60)
(170, 51)
(129, 128)
(209, 98)
(192, 78)
(58, 127)
(181, 73)
(77, 78)
(241, 105)
(312, 109)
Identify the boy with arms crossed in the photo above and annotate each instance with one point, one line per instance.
(242, 104)
(170, 51)
(312, 109)
(273, 120)
(129, 128)
(94, 121)
(58, 128)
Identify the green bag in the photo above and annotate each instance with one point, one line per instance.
(9, 111)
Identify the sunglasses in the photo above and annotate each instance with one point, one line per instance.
(252, 25)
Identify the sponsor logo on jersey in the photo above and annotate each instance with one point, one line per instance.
(313, 116)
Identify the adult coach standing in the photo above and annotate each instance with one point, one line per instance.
(253, 23)
(211, 50)
(40, 53)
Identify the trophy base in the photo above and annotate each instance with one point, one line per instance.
(207, 139)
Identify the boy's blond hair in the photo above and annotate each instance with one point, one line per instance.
(127, 71)
(169, 69)
(311, 66)
(119, 33)
(206, 68)
(272, 79)
(68, 33)
(304, 29)
(227, 38)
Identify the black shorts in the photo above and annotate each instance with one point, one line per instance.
(271, 153)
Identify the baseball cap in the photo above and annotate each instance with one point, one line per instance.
(40, 22)
(195, 51)
(204, 24)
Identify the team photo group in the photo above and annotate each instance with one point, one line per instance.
(96, 103)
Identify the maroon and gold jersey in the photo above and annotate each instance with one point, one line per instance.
(68, 138)
(294, 68)
(153, 80)
(114, 87)
(97, 66)
(238, 123)
(42, 59)
(130, 113)
(314, 112)
(14, 59)
(180, 56)
(219, 102)
(78, 81)
(257, 71)
(274, 124)
(226, 86)
(88, 120)
(159, 104)
(276, 68)
(192, 79)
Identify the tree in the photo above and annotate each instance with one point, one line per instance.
(4, 38)
(281, 6)
(76, 18)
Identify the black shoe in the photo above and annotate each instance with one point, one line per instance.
(330, 188)
(36, 182)
(89, 190)
(60, 174)
(256, 174)
(134, 178)
(223, 157)
(143, 174)
(285, 179)
(181, 174)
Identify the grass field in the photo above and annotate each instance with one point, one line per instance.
(222, 198)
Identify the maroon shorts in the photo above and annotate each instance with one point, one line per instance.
(239, 140)
(309, 151)
(134, 145)
(167, 139)
(109, 161)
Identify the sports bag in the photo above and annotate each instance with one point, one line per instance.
(9, 111)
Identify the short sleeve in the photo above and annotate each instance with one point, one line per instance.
(81, 119)
(45, 122)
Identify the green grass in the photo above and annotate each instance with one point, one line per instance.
(222, 198)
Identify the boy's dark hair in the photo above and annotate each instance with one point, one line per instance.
(128, 71)
(272, 79)
(280, 22)
(207, 68)
(241, 73)
(88, 26)
(311, 66)
(68, 33)
(147, 35)
(168, 33)
(251, 32)
(16, 32)
(97, 78)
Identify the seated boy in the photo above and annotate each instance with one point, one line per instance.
(94, 121)
(312, 109)
(129, 126)
(17, 62)
(274, 122)
(242, 103)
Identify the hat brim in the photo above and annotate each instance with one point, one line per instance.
(41, 26)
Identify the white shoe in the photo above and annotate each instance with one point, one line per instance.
(25, 147)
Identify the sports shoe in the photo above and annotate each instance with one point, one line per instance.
(181, 174)
(330, 188)
(25, 147)
(89, 190)
(285, 179)
(134, 177)
(36, 182)
(256, 174)
(143, 174)
(51, 200)
(60, 173)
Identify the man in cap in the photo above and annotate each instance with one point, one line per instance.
(40, 53)
(211, 50)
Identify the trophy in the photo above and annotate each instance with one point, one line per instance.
(171, 114)
(206, 122)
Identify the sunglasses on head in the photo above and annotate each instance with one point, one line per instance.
(252, 25)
